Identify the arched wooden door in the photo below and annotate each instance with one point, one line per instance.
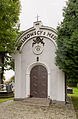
(38, 82)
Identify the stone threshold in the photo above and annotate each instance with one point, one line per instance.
(35, 101)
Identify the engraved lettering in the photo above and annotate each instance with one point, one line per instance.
(28, 35)
(44, 33)
(34, 32)
(49, 34)
(52, 35)
(24, 38)
(31, 34)
(39, 33)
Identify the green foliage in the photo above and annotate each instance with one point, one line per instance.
(67, 41)
(5, 99)
(9, 24)
(75, 99)
(72, 80)
(9, 31)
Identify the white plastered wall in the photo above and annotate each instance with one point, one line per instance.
(27, 59)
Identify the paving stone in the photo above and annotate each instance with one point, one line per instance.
(19, 110)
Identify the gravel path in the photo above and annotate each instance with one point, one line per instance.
(19, 110)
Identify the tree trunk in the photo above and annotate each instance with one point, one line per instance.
(2, 69)
(65, 88)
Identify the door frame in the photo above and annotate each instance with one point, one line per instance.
(27, 91)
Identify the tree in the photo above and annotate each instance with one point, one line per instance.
(9, 26)
(67, 41)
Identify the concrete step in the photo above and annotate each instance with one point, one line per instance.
(37, 101)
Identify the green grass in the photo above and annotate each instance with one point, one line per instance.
(5, 99)
(75, 99)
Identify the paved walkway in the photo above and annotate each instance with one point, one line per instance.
(19, 110)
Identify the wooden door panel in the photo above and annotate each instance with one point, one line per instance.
(38, 82)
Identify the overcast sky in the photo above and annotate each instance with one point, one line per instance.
(50, 12)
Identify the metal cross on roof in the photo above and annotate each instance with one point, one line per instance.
(37, 17)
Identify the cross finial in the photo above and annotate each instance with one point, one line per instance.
(37, 17)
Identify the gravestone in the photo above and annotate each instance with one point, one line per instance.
(9, 88)
(69, 90)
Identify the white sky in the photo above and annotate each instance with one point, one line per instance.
(9, 74)
(50, 12)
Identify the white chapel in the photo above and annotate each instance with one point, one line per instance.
(36, 73)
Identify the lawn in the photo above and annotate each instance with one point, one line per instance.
(75, 99)
(5, 99)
